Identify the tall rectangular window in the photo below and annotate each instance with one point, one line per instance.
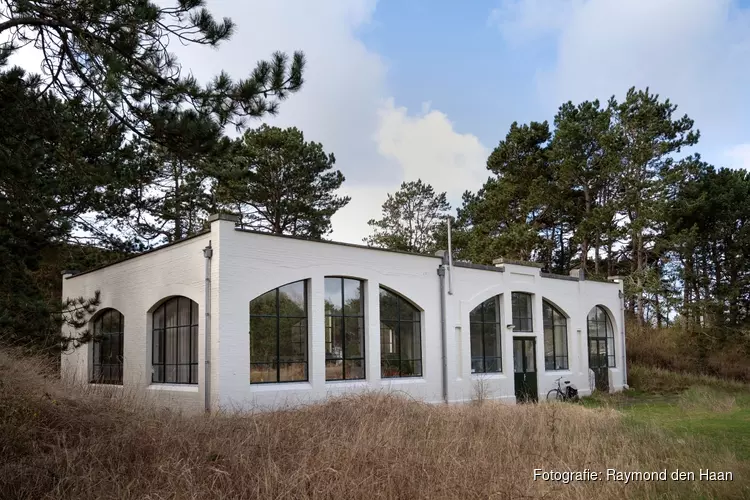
(278, 335)
(555, 338)
(108, 347)
(521, 307)
(400, 337)
(175, 342)
(484, 333)
(345, 329)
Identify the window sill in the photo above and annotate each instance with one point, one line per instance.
(347, 383)
(96, 384)
(281, 386)
(403, 380)
(173, 387)
(489, 376)
(559, 372)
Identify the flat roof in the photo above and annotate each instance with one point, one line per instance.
(463, 264)
(135, 256)
(340, 243)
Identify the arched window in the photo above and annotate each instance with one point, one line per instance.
(555, 338)
(521, 307)
(400, 337)
(107, 331)
(485, 328)
(345, 329)
(174, 353)
(601, 339)
(278, 335)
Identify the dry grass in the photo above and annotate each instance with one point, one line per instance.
(702, 398)
(661, 381)
(59, 441)
(697, 352)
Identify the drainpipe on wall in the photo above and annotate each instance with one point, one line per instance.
(621, 296)
(443, 330)
(208, 252)
(450, 260)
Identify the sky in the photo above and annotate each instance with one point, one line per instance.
(401, 90)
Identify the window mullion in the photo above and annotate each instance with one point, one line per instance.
(398, 337)
(278, 336)
(343, 333)
(177, 344)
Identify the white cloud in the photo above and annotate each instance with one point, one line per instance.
(350, 223)
(694, 52)
(522, 21)
(345, 103)
(427, 147)
(738, 156)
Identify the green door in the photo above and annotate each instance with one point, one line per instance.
(524, 367)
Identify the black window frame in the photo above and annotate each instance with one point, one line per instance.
(344, 316)
(518, 321)
(483, 325)
(609, 334)
(278, 317)
(400, 299)
(161, 351)
(99, 341)
(551, 363)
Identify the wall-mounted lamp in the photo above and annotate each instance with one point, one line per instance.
(510, 327)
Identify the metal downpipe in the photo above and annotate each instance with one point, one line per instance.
(208, 252)
(443, 331)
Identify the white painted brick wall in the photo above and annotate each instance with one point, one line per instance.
(134, 287)
(246, 265)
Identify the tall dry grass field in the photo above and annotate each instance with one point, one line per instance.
(59, 441)
(701, 352)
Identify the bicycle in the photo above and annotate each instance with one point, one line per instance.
(569, 393)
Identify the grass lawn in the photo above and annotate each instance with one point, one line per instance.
(714, 412)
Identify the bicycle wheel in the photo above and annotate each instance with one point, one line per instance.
(554, 395)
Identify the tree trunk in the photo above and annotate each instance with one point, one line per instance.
(687, 284)
(177, 234)
(657, 306)
(585, 241)
(597, 245)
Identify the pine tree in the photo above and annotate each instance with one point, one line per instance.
(411, 219)
(648, 137)
(282, 184)
(584, 164)
(509, 214)
(115, 54)
(57, 157)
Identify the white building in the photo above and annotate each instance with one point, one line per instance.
(236, 319)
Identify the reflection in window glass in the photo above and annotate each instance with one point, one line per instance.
(555, 338)
(400, 337)
(600, 329)
(521, 307)
(345, 329)
(175, 342)
(484, 333)
(278, 335)
(108, 331)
